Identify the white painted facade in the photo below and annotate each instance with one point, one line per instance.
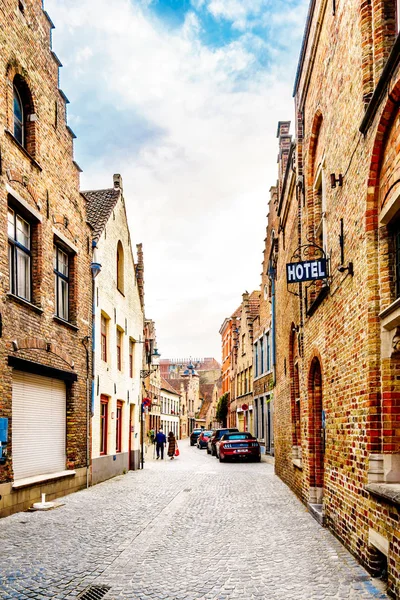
(170, 411)
(117, 381)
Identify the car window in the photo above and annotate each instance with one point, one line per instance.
(238, 436)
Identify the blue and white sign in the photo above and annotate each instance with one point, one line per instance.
(310, 270)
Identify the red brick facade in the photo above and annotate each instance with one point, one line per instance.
(337, 392)
(40, 182)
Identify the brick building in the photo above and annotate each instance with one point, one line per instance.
(337, 392)
(45, 282)
(119, 330)
(229, 342)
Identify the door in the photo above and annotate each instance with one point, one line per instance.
(38, 425)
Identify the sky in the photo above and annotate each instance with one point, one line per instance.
(183, 98)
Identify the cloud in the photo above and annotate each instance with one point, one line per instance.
(191, 128)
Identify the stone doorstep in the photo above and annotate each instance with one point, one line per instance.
(317, 511)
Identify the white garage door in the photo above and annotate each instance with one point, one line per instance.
(38, 425)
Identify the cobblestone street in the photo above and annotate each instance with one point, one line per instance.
(187, 529)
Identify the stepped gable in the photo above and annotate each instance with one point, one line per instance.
(166, 385)
(100, 204)
(254, 304)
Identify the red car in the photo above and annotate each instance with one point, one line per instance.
(238, 445)
(203, 438)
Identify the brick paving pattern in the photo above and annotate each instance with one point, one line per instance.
(188, 529)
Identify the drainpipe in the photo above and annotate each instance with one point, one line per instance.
(95, 268)
(271, 274)
(85, 343)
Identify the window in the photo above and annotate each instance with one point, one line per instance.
(120, 268)
(119, 427)
(18, 108)
(61, 274)
(320, 210)
(19, 255)
(103, 424)
(268, 349)
(131, 352)
(256, 358)
(119, 350)
(104, 331)
(397, 16)
(262, 366)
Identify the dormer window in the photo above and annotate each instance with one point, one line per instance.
(19, 133)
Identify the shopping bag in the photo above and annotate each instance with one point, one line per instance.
(177, 451)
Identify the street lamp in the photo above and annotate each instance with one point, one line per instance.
(144, 373)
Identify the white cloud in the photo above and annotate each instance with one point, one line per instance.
(197, 184)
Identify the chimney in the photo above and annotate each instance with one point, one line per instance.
(117, 182)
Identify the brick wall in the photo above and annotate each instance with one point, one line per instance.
(45, 178)
(347, 349)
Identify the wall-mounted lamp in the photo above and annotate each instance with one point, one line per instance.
(349, 268)
(336, 180)
(155, 363)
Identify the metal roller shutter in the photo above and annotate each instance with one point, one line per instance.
(38, 425)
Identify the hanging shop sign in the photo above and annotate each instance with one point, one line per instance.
(309, 270)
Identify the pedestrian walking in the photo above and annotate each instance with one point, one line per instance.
(171, 445)
(161, 442)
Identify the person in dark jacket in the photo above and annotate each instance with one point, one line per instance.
(171, 445)
(161, 442)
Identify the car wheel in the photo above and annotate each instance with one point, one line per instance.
(213, 453)
(208, 452)
(258, 458)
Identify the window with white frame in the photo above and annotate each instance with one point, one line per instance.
(268, 350)
(19, 255)
(61, 280)
(262, 369)
(398, 16)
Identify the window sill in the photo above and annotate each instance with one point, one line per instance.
(388, 491)
(298, 463)
(65, 323)
(24, 302)
(23, 150)
(390, 317)
(122, 293)
(28, 481)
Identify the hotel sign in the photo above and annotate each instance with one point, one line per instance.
(309, 270)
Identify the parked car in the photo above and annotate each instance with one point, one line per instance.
(203, 439)
(238, 445)
(194, 435)
(217, 435)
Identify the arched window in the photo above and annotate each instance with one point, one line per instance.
(316, 431)
(18, 110)
(120, 268)
(23, 115)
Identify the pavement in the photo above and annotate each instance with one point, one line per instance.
(187, 529)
